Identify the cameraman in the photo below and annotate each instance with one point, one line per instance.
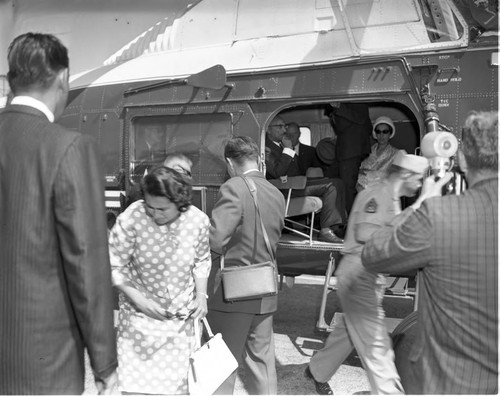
(454, 241)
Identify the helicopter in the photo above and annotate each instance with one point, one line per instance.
(224, 68)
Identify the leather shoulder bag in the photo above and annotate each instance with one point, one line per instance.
(248, 282)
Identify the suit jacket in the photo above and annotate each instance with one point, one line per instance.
(55, 285)
(145, 152)
(236, 231)
(454, 239)
(353, 128)
(279, 164)
(306, 158)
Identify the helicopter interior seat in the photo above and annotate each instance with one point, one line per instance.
(298, 206)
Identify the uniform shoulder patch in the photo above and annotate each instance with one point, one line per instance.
(371, 206)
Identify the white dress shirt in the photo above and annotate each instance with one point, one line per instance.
(35, 103)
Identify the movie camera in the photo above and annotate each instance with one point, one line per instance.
(439, 147)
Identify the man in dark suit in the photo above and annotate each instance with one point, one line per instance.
(150, 143)
(236, 232)
(55, 284)
(283, 160)
(353, 127)
(454, 241)
(305, 155)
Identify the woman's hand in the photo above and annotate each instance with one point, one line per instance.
(200, 308)
(143, 304)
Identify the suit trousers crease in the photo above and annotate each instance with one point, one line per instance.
(363, 328)
(333, 211)
(250, 338)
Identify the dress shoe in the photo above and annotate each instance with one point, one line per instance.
(339, 230)
(322, 388)
(329, 236)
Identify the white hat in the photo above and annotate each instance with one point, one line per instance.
(413, 163)
(384, 120)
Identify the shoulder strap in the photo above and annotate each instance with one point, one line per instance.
(253, 190)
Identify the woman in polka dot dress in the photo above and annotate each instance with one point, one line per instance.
(160, 260)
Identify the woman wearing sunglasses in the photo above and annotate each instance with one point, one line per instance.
(374, 167)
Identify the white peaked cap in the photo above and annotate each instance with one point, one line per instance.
(414, 163)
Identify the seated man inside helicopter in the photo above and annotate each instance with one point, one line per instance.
(151, 146)
(286, 156)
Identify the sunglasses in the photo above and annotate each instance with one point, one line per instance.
(180, 169)
(384, 131)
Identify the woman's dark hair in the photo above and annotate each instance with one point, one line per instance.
(241, 149)
(34, 60)
(166, 182)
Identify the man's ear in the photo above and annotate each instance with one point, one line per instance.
(62, 84)
(462, 162)
(63, 78)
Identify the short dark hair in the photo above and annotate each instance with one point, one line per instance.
(480, 140)
(241, 149)
(34, 60)
(293, 125)
(167, 182)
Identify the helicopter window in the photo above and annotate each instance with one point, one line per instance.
(440, 21)
(404, 24)
(200, 137)
(305, 136)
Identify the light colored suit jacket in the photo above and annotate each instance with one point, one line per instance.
(236, 231)
(55, 286)
(454, 239)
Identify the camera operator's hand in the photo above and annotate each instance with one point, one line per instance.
(432, 188)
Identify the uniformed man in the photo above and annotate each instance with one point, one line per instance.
(360, 291)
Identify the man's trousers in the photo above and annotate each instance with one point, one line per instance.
(363, 328)
(332, 194)
(250, 338)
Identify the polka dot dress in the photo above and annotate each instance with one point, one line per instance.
(160, 261)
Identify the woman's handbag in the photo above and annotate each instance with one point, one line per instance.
(250, 281)
(210, 364)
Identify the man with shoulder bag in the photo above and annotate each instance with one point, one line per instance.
(245, 229)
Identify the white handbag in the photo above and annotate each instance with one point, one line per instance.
(210, 364)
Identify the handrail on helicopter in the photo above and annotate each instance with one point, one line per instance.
(212, 78)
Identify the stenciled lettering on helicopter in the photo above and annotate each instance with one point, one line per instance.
(446, 80)
(443, 103)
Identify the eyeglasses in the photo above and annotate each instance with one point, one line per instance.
(279, 126)
(153, 210)
(384, 131)
(180, 169)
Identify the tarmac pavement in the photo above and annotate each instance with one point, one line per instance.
(297, 339)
